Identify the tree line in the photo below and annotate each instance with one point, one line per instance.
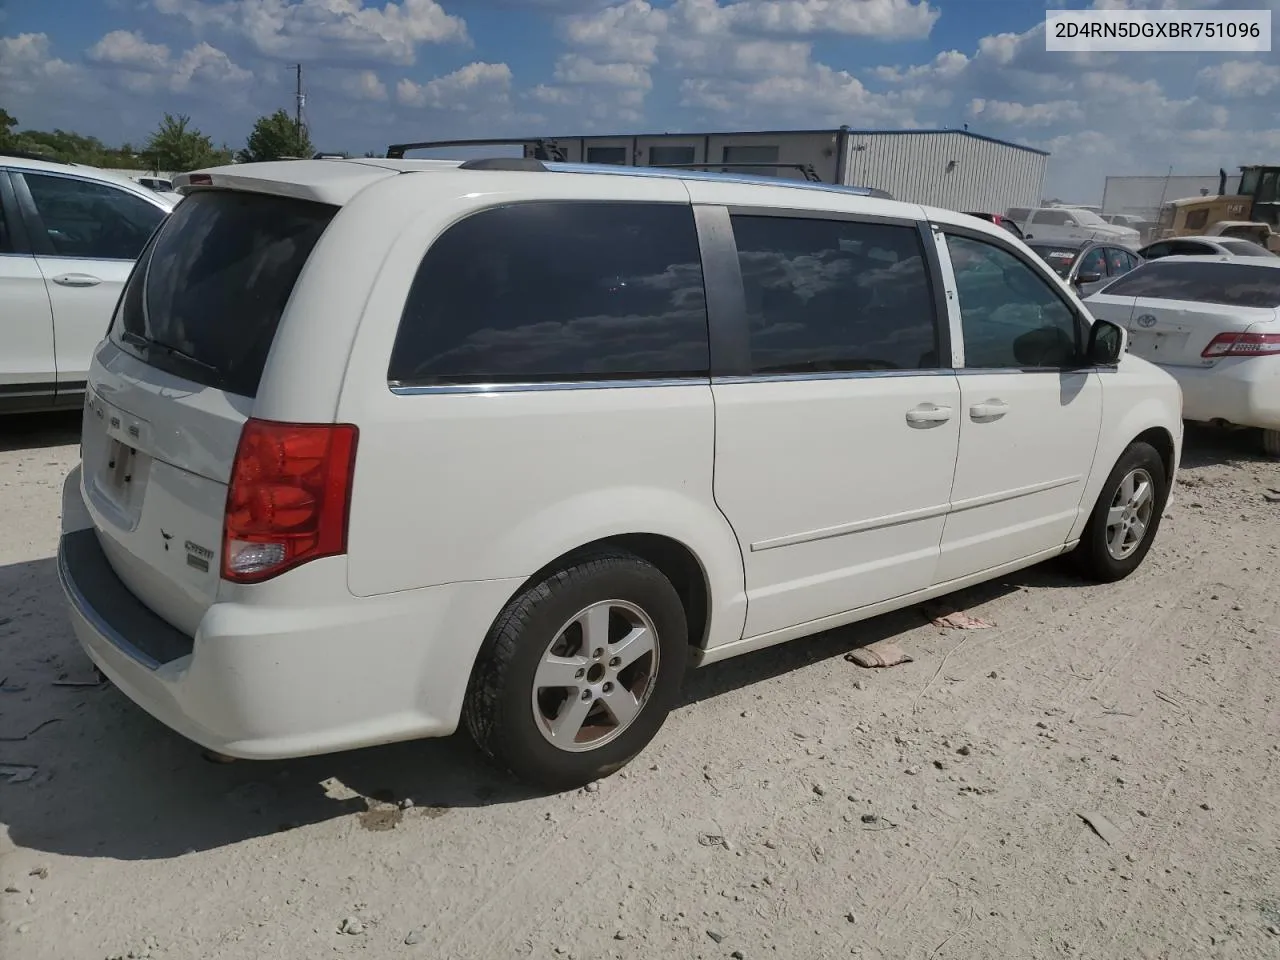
(175, 146)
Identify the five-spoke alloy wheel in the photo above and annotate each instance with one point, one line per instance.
(580, 670)
(1126, 516)
(596, 675)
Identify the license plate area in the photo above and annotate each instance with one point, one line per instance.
(116, 464)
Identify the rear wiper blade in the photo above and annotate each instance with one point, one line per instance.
(146, 343)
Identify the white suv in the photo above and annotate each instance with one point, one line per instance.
(374, 447)
(68, 238)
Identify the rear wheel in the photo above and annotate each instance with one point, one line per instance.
(579, 671)
(1126, 517)
(1271, 443)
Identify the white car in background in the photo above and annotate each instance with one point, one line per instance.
(69, 235)
(1075, 225)
(1203, 246)
(1214, 324)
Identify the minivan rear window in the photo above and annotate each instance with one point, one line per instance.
(207, 294)
(1230, 284)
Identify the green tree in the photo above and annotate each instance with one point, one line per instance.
(177, 147)
(276, 136)
(7, 122)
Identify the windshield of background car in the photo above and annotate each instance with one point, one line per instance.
(1223, 282)
(1089, 217)
(1059, 257)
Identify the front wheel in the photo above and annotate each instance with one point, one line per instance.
(579, 671)
(1126, 517)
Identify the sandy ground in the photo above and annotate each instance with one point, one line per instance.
(796, 806)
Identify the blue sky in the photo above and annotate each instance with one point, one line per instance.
(381, 71)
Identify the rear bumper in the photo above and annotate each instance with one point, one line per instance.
(1244, 391)
(328, 672)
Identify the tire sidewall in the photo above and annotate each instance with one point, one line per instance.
(1105, 566)
(549, 606)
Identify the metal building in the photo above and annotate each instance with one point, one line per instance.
(1142, 197)
(955, 169)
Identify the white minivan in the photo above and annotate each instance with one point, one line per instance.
(377, 447)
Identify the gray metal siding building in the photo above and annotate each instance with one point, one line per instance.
(954, 169)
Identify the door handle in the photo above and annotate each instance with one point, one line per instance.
(988, 410)
(77, 280)
(928, 413)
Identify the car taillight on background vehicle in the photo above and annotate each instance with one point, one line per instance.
(288, 499)
(1242, 345)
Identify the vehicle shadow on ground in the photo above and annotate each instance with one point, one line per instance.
(1205, 446)
(112, 782)
(39, 430)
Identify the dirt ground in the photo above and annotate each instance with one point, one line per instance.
(796, 806)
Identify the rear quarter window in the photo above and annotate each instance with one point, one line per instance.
(207, 295)
(1230, 284)
(555, 291)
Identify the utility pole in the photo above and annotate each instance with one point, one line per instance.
(300, 99)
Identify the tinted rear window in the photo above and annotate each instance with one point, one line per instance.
(557, 291)
(1060, 258)
(1231, 284)
(207, 295)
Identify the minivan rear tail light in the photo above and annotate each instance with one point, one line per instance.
(1242, 345)
(289, 497)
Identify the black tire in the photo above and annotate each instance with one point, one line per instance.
(498, 711)
(1091, 556)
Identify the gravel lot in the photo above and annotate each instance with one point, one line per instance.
(797, 806)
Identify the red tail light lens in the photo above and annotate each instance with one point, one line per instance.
(288, 499)
(1242, 345)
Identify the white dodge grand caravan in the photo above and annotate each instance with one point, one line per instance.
(376, 447)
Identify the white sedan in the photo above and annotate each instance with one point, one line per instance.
(1203, 246)
(1213, 323)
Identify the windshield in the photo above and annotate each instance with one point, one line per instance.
(1089, 217)
(1057, 257)
(206, 296)
(1233, 284)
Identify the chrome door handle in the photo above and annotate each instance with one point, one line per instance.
(77, 280)
(927, 413)
(988, 410)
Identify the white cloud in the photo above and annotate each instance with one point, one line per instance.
(880, 19)
(208, 68)
(1241, 78)
(124, 48)
(363, 85)
(27, 67)
(1026, 114)
(627, 32)
(315, 29)
(576, 69)
(467, 88)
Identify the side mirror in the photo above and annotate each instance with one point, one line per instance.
(1088, 277)
(1106, 344)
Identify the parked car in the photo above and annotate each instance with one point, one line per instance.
(1088, 266)
(1214, 324)
(1074, 225)
(1203, 246)
(1000, 220)
(158, 184)
(68, 238)
(400, 445)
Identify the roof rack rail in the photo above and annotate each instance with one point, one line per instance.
(542, 149)
(806, 169)
(30, 155)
